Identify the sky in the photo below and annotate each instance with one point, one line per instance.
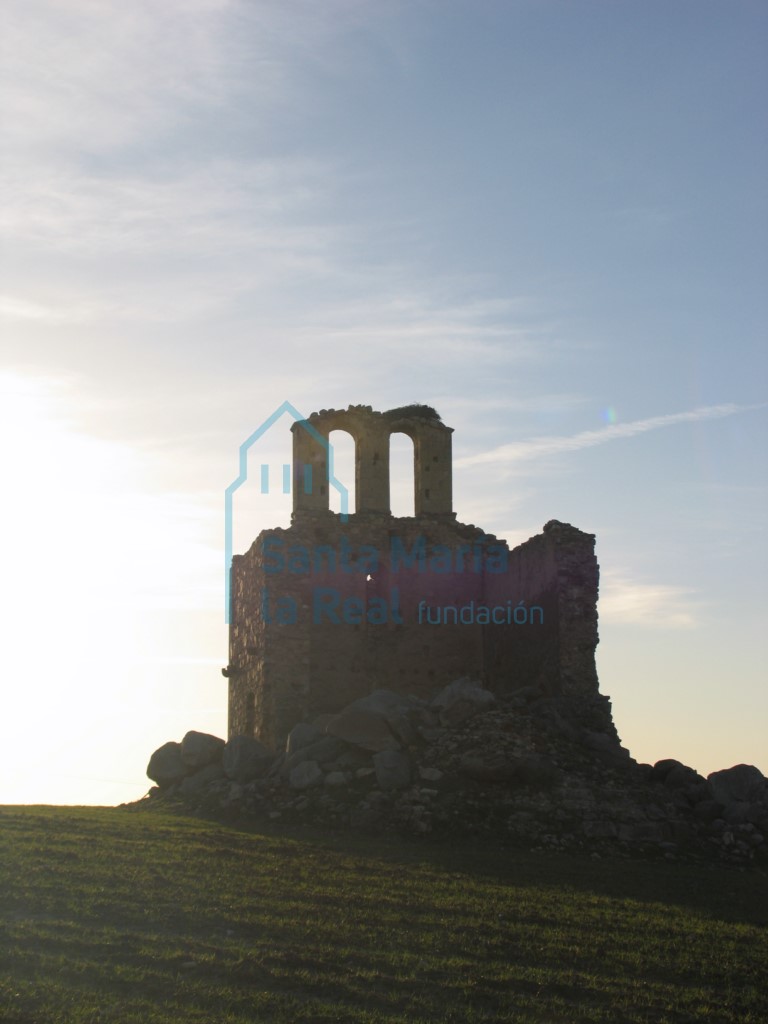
(546, 219)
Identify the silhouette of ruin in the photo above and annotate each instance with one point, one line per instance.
(334, 607)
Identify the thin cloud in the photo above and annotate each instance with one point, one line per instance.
(624, 601)
(538, 447)
(405, 322)
(92, 78)
(13, 308)
(213, 206)
(147, 67)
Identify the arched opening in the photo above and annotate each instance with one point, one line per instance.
(341, 454)
(402, 475)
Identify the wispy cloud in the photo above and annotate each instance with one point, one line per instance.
(217, 204)
(538, 447)
(407, 320)
(93, 77)
(85, 78)
(15, 308)
(624, 601)
(167, 245)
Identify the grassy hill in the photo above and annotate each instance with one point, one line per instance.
(117, 915)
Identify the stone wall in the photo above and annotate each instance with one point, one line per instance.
(556, 570)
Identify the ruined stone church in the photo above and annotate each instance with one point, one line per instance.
(336, 605)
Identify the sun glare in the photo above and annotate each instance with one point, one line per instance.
(88, 558)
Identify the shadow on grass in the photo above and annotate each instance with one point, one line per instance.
(716, 890)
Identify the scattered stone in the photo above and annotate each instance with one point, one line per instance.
(325, 750)
(393, 769)
(194, 784)
(708, 810)
(536, 770)
(461, 700)
(363, 728)
(487, 767)
(600, 829)
(528, 693)
(302, 735)
(245, 758)
(397, 710)
(642, 832)
(543, 773)
(737, 813)
(305, 775)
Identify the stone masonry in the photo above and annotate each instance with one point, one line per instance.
(334, 607)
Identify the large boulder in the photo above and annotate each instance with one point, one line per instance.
(302, 735)
(324, 751)
(195, 784)
(743, 782)
(661, 769)
(200, 748)
(461, 700)
(393, 769)
(244, 758)
(362, 728)
(166, 766)
(683, 777)
(305, 775)
(396, 709)
(708, 810)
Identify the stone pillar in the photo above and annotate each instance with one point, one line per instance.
(372, 467)
(434, 485)
(310, 469)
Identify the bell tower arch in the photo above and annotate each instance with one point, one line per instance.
(313, 469)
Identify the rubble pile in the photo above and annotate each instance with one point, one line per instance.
(530, 770)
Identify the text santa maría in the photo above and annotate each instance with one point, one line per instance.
(480, 556)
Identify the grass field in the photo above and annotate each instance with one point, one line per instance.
(112, 915)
